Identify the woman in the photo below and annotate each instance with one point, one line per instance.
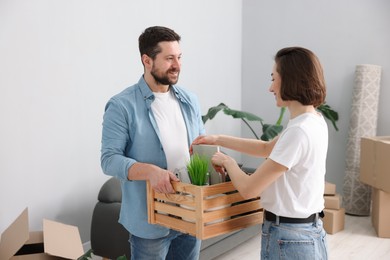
(291, 180)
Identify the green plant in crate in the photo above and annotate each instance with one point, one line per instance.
(198, 168)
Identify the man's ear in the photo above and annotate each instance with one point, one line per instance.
(146, 60)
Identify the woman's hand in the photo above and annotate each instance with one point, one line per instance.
(220, 161)
(204, 139)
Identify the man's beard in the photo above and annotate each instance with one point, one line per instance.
(164, 79)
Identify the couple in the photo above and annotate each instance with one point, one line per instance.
(149, 128)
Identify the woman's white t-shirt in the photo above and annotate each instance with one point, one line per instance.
(302, 148)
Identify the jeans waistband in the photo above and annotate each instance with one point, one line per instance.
(269, 216)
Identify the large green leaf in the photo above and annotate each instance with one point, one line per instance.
(242, 115)
(270, 131)
(329, 114)
(212, 112)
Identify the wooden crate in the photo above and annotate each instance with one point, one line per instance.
(203, 211)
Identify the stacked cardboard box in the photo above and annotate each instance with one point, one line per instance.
(334, 213)
(375, 171)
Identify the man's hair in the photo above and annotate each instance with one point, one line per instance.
(148, 41)
(302, 76)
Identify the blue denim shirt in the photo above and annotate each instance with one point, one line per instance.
(130, 135)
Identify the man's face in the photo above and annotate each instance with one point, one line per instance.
(166, 65)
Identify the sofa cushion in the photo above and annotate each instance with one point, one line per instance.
(108, 238)
(110, 191)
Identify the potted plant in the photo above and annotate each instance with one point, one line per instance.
(269, 130)
(198, 169)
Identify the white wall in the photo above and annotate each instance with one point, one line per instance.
(342, 34)
(60, 61)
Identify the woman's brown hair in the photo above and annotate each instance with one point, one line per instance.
(301, 75)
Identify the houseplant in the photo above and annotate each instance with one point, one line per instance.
(198, 168)
(269, 130)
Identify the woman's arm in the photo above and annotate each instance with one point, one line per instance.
(250, 186)
(251, 147)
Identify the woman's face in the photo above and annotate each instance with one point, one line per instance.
(275, 87)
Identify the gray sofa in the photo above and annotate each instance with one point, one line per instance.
(109, 239)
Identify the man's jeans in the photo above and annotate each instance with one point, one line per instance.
(293, 241)
(174, 246)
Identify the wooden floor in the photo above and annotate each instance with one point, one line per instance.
(357, 241)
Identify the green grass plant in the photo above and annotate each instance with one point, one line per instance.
(198, 168)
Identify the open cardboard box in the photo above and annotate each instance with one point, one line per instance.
(56, 241)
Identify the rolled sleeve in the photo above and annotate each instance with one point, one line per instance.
(115, 139)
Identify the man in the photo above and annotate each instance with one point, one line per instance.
(147, 131)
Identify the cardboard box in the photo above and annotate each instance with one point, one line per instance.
(57, 241)
(203, 211)
(380, 213)
(374, 162)
(332, 201)
(334, 220)
(330, 188)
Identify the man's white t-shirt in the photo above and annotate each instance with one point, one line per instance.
(302, 148)
(173, 131)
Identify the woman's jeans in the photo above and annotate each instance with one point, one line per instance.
(293, 241)
(174, 246)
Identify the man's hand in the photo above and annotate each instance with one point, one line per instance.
(161, 181)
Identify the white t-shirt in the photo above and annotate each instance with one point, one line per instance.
(302, 148)
(173, 131)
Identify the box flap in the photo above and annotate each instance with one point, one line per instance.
(62, 240)
(14, 237)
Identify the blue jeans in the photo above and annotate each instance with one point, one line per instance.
(176, 246)
(293, 241)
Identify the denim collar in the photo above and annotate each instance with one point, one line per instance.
(147, 93)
